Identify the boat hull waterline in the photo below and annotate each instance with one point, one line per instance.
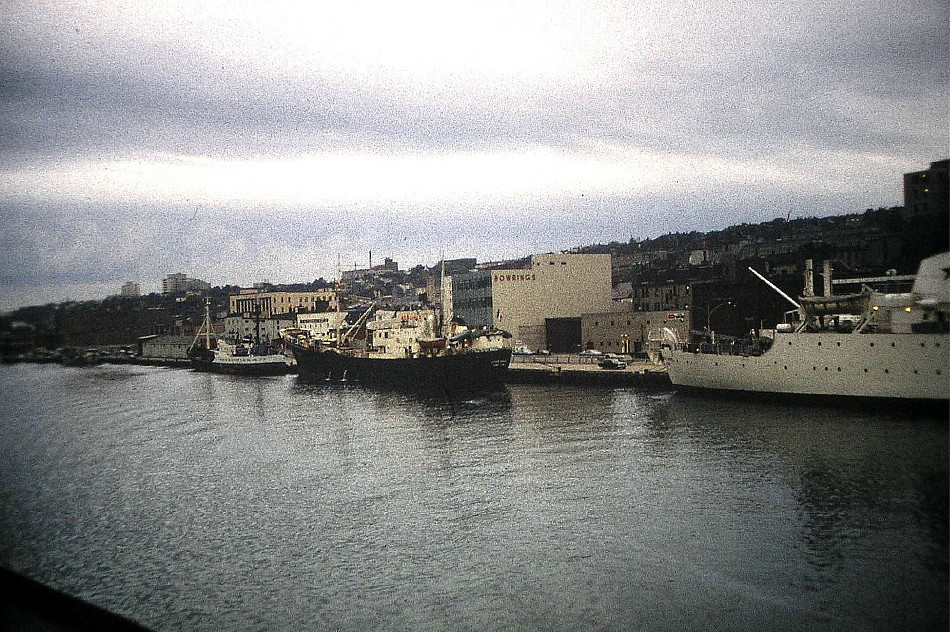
(272, 364)
(459, 370)
(886, 366)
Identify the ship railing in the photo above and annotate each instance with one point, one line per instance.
(743, 348)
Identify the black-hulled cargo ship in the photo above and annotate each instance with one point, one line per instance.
(462, 369)
(400, 350)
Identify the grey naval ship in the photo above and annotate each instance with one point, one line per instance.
(864, 346)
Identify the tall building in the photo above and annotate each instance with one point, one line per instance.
(926, 192)
(472, 297)
(130, 289)
(179, 282)
(172, 282)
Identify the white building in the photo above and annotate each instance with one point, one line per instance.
(321, 324)
(165, 348)
(240, 326)
(130, 289)
(551, 286)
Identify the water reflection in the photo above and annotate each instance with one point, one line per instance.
(199, 501)
(857, 478)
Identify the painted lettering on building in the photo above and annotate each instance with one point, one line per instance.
(514, 277)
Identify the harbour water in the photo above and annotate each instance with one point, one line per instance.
(195, 501)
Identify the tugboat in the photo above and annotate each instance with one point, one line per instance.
(867, 346)
(245, 356)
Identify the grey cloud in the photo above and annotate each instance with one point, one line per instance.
(858, 79)
(777, 97)
(89, 243)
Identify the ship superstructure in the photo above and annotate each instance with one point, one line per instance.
(863, 345)
(419, 348)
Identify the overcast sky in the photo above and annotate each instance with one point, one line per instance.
(238, 142)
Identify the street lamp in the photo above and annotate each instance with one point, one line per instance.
(712, 310)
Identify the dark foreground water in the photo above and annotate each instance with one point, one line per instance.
(192, 501)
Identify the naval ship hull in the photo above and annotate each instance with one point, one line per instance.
(908, 367)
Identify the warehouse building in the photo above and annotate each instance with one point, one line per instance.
(542, 298)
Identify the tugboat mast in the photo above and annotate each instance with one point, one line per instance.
(257, 321)
(339, 310)
(207, 322)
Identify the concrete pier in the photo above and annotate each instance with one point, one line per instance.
(564, 369)
(573, 369)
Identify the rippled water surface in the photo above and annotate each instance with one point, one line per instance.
(192, 501)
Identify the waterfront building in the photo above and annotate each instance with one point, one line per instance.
(254, 301)
(321, 324)
(448, 268)
(165, 347)
(926, 192)
(629, 331)
(245, 325)
(532, 301)
(472, 297)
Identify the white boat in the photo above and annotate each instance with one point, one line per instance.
(210, 352)
(863, 346)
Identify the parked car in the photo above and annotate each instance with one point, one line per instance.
(591, 353)
(611, 363)
(522, 351)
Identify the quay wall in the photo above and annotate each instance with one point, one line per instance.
(571, 369)
(567, 369)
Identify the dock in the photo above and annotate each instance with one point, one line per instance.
(567, 369)
(572, 369)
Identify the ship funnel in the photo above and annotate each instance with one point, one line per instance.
(809, 289)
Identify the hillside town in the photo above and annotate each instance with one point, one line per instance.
(608, 297)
